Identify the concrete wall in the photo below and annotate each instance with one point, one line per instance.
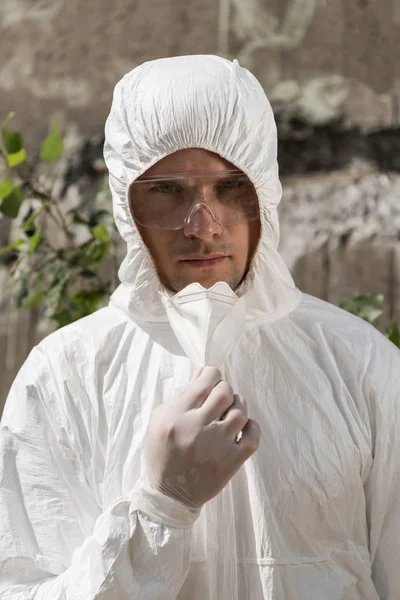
(317, 58)
(323, 59)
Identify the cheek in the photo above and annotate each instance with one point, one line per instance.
(154, 242)
(160, 245)
(254, 236)
(150, 237)
(248, 238)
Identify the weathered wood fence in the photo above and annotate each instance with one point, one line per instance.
(18, 334)
(334, 273)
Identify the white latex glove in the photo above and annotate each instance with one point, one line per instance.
(191, 450)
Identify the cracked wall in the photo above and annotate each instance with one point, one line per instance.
(317, 60)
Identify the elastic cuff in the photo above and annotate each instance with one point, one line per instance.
(163, 508)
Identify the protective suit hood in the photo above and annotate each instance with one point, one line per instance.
(204, 102)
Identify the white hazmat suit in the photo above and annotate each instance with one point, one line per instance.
(314, 514)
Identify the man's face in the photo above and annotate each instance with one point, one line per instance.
(179, 255)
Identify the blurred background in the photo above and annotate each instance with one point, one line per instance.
(332, 74)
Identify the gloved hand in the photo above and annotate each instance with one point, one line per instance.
(191, 448)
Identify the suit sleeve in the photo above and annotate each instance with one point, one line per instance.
(57, 542)
(382, 488)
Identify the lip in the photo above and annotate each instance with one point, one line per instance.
(210, 260)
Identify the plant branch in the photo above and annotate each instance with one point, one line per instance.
(70, 234)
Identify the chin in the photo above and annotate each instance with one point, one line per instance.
(205, 278)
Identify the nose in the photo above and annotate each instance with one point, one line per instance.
(201, 223)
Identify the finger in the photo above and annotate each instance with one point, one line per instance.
(251, 435)
(197, 391)
(235, 418)
(182, 388)
(217, 403)
(238, 402)
(248, 444)
(196, 374)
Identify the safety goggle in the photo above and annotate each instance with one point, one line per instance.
(172, 201)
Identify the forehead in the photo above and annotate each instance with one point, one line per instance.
(190, 160)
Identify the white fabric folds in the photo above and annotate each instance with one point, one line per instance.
(313, 514)
(206, 322)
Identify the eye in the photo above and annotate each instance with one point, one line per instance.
(165, 188)
(234, 184)
(231, 183)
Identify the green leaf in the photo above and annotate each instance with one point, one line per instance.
(97, 216)
(94, 253)
(53, 145)
(12, 246)
(13, 141)
(55, 295)
(77, 218)
(34, 241)
(368, 306)
(28, 223)
(12, 203)
(59, 277)
(100, 251)
(22, 291)
(34, 299)
(87, 274)
(16, 158)
(90, 299)
(40, 195)
(8, 118)
(394, 335)
(62, 318)
(6, 187)
(100, 233)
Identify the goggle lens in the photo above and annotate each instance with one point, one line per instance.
(170, 201)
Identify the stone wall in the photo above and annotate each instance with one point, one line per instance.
(318, 59)
(340, 234)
